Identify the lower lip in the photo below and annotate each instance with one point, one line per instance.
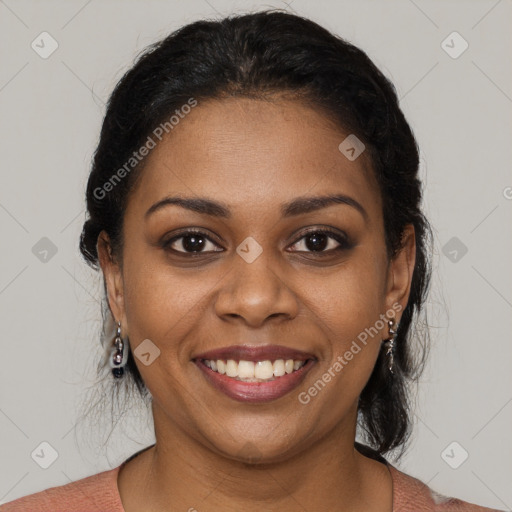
(255, 392)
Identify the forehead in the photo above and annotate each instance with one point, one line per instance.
(253, 153)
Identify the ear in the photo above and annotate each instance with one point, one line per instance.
(112, 276)
(400, 272)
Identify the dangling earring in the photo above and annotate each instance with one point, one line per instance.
(119, 354)
(390, 343)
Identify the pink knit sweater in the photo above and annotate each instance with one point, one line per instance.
(99, 493)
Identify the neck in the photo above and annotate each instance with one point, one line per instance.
(330, 475)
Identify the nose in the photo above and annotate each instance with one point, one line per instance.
(254, 292)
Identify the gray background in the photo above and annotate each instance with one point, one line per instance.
(51, 110)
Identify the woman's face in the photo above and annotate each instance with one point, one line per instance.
(254, 277)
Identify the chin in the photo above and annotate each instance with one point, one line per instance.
(254, 447)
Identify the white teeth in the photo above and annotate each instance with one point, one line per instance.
(257, 371)
(279, 368)
(263, 370)
(231, 368)
(246, 369)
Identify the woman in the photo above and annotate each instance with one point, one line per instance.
(254, 207)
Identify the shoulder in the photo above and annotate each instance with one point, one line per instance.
(409, 493)
(95, 492)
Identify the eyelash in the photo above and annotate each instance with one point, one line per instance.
(343, 240)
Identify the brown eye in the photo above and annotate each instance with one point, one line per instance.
(190, 242)
(322, 240)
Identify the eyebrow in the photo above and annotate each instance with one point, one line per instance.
(293, 208)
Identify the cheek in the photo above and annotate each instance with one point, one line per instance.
(162, 304)
(351, 299)
(163, 307)
(349, 306)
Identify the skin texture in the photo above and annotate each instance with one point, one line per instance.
(213, 453)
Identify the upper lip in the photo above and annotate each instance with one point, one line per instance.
(255, 353)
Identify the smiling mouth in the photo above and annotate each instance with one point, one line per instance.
(255, 373)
